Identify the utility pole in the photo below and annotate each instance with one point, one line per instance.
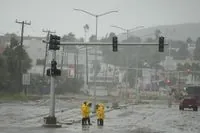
(136, 79)
(126, 80)
(21, 50)
(62, 58)
(46, 49)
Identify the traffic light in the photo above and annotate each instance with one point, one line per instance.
(57, 72)
(53, 71)
(54, 42)
(168, 82)
(161, 44)
(115, 44)
(188, 71)
(53, 67)
(48, 72)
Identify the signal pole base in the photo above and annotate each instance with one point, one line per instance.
(51, 122)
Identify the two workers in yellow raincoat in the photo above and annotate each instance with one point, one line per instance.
(85, 111)
(100, 114)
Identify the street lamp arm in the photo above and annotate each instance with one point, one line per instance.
(118, 27)
(135, 28)
(85, 12)
(106, 13)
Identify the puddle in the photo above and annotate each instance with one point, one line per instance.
(145, 130)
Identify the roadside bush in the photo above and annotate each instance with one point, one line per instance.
(12, 97)
(70, 85)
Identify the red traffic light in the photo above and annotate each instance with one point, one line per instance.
(188, 70)
(167, 81)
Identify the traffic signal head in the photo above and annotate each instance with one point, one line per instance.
(167, 82)
(54, 42)
(53, 71)
(48, 72)
(53, 65)
(189, 71)
(115, 44)
(58, 72)
(161, 44)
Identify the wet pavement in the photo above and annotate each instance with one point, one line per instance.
(18, 118)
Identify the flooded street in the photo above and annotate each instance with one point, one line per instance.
(149, 118)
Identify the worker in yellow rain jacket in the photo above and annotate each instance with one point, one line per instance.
(100, 114)
(84, 112)
(88, 112)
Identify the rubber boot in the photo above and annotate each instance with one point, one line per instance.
(83, 121)
(88, 119)
(98, 122)
(101, 122)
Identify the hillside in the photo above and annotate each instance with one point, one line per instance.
(174, 32)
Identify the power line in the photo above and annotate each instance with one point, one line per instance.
(20, 61)
(46, 48)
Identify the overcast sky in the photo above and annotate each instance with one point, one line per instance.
(59, 15)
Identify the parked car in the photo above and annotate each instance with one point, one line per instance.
(188, 102)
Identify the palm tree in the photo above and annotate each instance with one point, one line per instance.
(86, 29)
(157, 34)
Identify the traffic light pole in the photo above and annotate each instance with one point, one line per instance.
(51, 121)
(54, 43)
(52, 91)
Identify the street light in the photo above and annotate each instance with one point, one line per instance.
(127, 30)
(96, 16)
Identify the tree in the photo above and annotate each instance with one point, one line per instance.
(39, 61)
(149, 40)
(197, 50)
(195, 67)
(96, 66)
(92, 38)
(189, 40)
(86, 27)
(70, 37)
(70, 85)
(183, 52)
(187, 66)
(4, 73)
(13, 55)
(180, 67)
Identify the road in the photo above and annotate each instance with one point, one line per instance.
(151, 118)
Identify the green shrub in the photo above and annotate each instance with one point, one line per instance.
(13, 97)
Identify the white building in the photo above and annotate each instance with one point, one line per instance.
(36, 50)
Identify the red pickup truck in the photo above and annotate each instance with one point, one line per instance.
(189, 102)
(193, 91)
